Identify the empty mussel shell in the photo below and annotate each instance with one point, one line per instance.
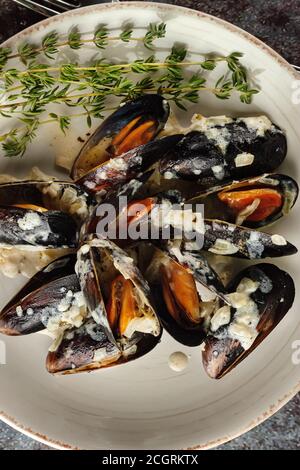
(133, 124)
(221, 149)
(260, 296)
(41, 300)
(252, 202)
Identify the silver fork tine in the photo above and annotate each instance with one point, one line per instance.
(45, 11)
(63, 4)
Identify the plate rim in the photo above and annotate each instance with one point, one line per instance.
(12, 421)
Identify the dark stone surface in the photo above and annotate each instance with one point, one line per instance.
(277, 23)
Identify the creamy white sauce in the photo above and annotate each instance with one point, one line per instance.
(259, 124)
(64, 198)
(129, 351)
(255, 245)
(208, 125)
(247, 286)
(265, 284)
(70, 312)
(14, 261)
(85, 249)
(30, 221)
(141, 324)
(178, 361)
(202, 123)
(221, 317)
(243, 325)
(19, 311)
(93, 330)
(118, 164)
(185, 220)
(246, 316)
(186, 258)
(100, 355)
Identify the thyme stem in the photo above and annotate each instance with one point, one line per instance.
(27, 92)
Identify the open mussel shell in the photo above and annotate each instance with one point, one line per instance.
(55, 195)
(262, 295)
(144, 219)
(37, 303)
(32, 229)
(92, 345)
(133, 124)
(222, 149)
(104, 223)
(99, 343)
(130, 165)
(222, 238)
(83, 349)
(187, 254)
(182, 304)
(252, 202)
(132, 220)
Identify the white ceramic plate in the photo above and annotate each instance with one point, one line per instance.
(145, 404)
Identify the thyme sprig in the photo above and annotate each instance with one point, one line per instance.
(29, 92)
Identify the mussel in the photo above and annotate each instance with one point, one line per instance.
(129, 192)
(47, 300)
(222, 238)
(97, 304)
(180, 281)
(120, 170)
(55, 195)
(163, 217)
(221, 149)
(34, 228)
(260, 297)
(121, 322)
(252, 202)
(42, 214)
(133, 124)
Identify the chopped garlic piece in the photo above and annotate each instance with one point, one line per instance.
(223, 247)
(244, 159)
(143, 325)
(278, 240)
(220, 318)
(19, 311)
(244, 213)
